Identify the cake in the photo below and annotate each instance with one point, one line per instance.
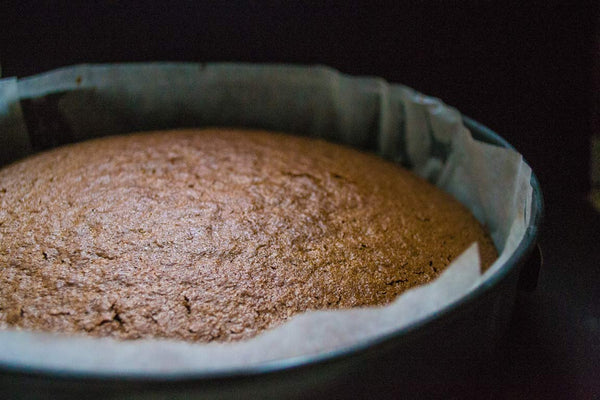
(214, 234)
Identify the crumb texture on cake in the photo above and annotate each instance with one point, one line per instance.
(214, 234)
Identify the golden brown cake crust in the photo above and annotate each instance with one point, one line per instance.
(214, 234)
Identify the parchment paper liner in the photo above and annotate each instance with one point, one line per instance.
(395, 121)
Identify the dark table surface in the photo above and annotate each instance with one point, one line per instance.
(552, 349)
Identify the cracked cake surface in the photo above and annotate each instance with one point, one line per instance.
(214, 234)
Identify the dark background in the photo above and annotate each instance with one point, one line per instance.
(528, 70)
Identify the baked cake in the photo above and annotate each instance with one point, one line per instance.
(214, 234)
